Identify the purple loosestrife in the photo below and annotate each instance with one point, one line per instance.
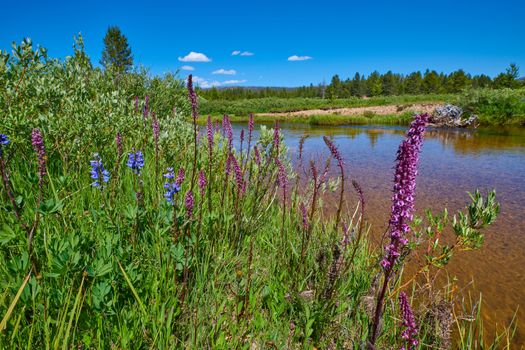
(209, 134)
(118, 142)
(228, 131)
(98, 172)
(145, 111)
(202, 183)
(135, 161)
(410, 332)
(304, 214)
(189, 202)
(228, 166)
(193, 97)
(156, 130)
(257, 155)
(241, 185)
(276, 138)
(171, 187)
(180, 176)
(38, 145)
(337, 155)
(250, 134)
(402, 207)
(404, 189)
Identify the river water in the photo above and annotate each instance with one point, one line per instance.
(453, 162)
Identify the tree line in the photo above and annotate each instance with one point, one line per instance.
(377, 84)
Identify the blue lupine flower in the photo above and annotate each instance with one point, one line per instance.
(3, 141)
(98, 172)
(172, 188)
(135, 161)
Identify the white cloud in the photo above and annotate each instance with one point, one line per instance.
(195, 57)
(225, 71)
(242, 53)
(229, 82)
(187, 68)
(206, 84)
(299, 58)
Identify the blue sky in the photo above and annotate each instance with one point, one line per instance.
(331, 36)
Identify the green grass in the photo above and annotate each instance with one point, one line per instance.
(270, 105)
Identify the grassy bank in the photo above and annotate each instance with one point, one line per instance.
(271, 105)
(493, 107)
(327, 119)
(121, 228)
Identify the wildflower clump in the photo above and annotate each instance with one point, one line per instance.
(98, 172)
(171, 187)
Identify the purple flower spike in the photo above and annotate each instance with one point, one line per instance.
(410, 332)
(145, 112)
(180, 176)
(202, 183)
(209, 134)
(118, 141)
(239, 179)
(276, 137)
(189, 203)
(257, 155)
(193, 97)
(155, 127)
(38, 145)
(404, 189)
(334, 151)
(227, 127)
(306, 224)
(282, 178)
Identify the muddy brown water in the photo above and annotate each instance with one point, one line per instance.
(453, 162)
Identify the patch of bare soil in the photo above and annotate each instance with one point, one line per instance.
(379, 110)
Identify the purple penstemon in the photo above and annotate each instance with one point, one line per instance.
(410, 332)
(98, 172)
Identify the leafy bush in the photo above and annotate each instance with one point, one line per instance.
(504, 106)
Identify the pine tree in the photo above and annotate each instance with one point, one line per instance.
(117, 52)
